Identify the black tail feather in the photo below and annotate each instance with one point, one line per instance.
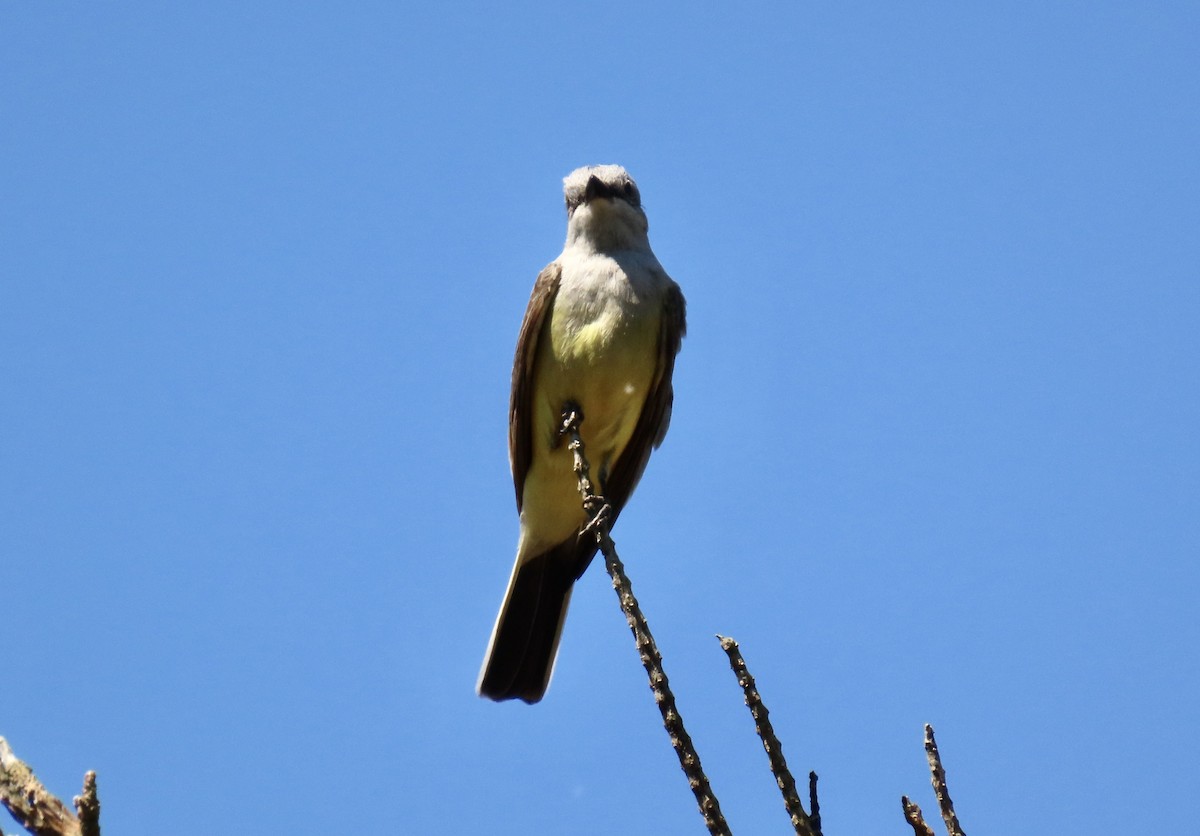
(525, 641)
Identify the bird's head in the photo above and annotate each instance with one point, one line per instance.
(604, 207)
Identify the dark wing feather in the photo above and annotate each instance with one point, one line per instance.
(520, 404)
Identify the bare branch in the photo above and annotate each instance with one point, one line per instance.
(938, 777)
(801, 822)
(598, 511)
(814, 817)
(34, 808)
(912, 814)
(87, 806)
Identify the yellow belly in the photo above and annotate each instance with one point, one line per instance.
(606, 367)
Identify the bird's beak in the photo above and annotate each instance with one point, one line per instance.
(595, 188)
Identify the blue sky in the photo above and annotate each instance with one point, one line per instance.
(934, 457)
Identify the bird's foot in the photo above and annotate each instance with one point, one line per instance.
(600, 516)
(572, 417)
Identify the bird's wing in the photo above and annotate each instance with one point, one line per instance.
(520, 404)
(656, 411)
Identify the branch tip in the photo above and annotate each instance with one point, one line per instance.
(802, 823)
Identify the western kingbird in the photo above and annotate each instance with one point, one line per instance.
(601, 333)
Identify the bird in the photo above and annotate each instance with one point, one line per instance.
(600, 335)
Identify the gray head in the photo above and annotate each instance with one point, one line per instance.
(604, 206)
(584, 185)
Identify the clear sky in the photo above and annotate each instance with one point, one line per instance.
(935, 454)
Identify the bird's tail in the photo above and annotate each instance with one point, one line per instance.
(520, 654)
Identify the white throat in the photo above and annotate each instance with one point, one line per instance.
(607, 226)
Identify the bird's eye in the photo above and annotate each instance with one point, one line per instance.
(628, 189)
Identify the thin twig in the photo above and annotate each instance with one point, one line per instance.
(814, 817)
(34, 808)
(801, 821)
(912, 814)
(87, 806)
(938, 777)
(598, 512)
